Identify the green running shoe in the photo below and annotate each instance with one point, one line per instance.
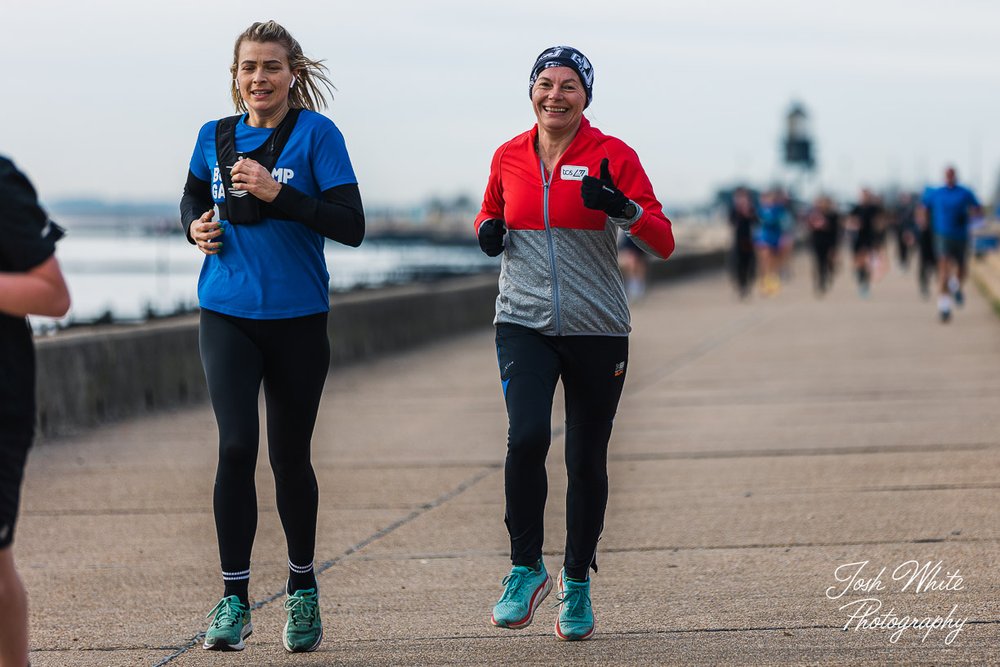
(230, 625)
(524, 589)
(304, 629)
(576, 618)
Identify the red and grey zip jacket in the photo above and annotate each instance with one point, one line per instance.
(559, 274)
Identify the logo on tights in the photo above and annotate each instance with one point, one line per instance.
(620, 369)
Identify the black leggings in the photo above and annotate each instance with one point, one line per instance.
(744, 262)
(592, 369)
(823, 246)
(291, 357)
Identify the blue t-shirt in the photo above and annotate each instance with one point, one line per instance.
(276, 268)
(772, 218)
(771, 225)
(949, 209)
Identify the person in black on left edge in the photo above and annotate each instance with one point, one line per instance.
(30, 283)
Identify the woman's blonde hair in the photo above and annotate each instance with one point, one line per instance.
(310, 75)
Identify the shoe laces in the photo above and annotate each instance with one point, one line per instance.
(517, 578)
(228, 612)
(512, 583)
(575, 600)
(302, 607)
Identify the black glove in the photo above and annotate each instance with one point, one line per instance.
(491, 236)
(601, 194)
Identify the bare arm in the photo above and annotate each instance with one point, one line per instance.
(39, 291)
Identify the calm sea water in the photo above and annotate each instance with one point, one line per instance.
(127, 277)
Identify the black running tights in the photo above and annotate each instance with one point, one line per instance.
(291, 357)
(592, 369)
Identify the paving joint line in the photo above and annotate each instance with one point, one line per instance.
(629, 633)
(374, 537)
(675, 548)
(900, 488)
(145, 511)
(817, 451)
(802, 545)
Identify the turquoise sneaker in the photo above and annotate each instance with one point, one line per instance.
(524, 591)
(230, 625)
(576, 618)
(303, 629)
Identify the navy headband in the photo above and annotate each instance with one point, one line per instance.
(565, 56)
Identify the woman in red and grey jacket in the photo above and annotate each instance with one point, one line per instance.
(556, 198)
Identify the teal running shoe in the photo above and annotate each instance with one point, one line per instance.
(576, 618)
(524, 589)
(303, 629)
(230, 625)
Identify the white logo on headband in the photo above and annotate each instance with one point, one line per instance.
(585, 68)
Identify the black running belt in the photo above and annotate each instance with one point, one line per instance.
(240, 207)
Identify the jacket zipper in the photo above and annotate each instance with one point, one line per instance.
(546, 182)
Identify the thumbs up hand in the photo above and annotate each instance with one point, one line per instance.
(601, 194)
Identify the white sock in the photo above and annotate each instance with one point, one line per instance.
(944, 303)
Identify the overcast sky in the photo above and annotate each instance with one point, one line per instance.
(105, 97)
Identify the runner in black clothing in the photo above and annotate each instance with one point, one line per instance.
(928, 260)
(905, 226)
(743, 219)
(30, 283)
(824, 226)
(864, 221)
(880, 247)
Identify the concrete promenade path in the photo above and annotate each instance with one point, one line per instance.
(759, 447)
